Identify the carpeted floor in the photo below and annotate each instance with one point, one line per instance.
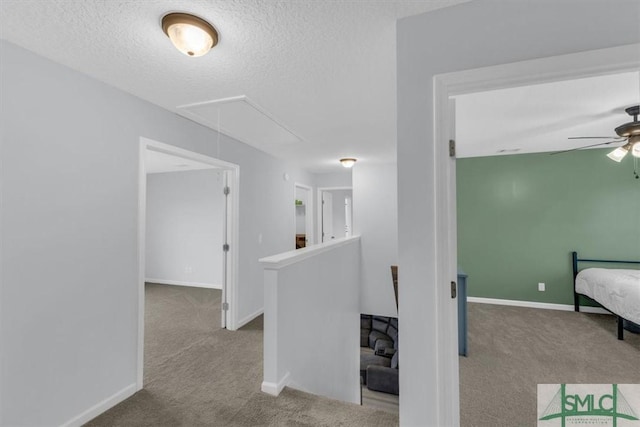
(512, 349)
(197, 374)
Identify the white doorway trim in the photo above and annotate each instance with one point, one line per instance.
(565, 67)
(308, 216)
(230, 230)
(319, 210)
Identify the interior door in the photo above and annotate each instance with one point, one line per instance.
(327, 216)
(348, 217)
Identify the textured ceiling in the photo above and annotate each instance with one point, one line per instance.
(323, 69)
(541, 118)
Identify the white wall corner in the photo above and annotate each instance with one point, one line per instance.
(274, 389)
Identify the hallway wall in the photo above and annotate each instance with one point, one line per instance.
(185, 217)
(69, 272)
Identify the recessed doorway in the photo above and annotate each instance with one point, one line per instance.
(190, 271)
(335, 213)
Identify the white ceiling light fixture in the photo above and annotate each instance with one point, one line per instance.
(635, 151)
(191, 35)
(618, 154)
(348, 162)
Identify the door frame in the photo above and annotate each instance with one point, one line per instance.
(543, 70)
(319, 210)
(308, 214)
(230, 230)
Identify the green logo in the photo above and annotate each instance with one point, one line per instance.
(586, 403)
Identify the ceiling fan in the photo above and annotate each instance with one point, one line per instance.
(628, 132)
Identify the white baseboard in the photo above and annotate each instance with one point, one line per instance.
(273, 388)
(532, 304)
(249, 318)
(101, 407)
(180, 283)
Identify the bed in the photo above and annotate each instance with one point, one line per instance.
(616, 290)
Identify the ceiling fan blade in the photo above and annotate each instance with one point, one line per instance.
(584, 146)
(595, 137)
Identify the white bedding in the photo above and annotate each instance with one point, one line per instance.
(617, 290)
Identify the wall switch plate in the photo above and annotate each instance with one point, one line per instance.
(541, 287)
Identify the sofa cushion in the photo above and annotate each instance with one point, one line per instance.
(394, 361)
(377, 335)
(364, 337)
(372, 359)
(380, 323)
(365, 321)
(367, 358)
(392, 330)
(381, 346)
(380, 378)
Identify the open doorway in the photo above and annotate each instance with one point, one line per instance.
(188, 209)
(303, 203)
(575, 66)
(335, 213)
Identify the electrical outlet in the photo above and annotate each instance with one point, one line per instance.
(541, 287)
(188, 269)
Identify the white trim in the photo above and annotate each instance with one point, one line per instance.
(562, 67)
(573, 66)
(249, 318)
(445, 254)
(319, 209)
(181, 283)
(142, 221)
(273, 388)
(534, 304)
(284, 259)
(233, 173)
(185, 111)
(101, 407)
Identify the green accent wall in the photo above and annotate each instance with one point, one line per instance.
(521, 216)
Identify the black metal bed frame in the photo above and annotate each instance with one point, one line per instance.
(576, 295)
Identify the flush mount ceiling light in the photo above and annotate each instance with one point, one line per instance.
(191, 35)
(348, 162)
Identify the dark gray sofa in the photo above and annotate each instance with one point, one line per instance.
(379, 353)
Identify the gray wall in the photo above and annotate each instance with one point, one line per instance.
(335, 179)
(472, 35)
(375, 219)
(69, 173)
(184, 228)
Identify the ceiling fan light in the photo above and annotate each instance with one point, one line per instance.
(635, 151)
(191, 35)
(618, 154)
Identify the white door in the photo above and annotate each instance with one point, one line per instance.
(347, 217)
(327, 216)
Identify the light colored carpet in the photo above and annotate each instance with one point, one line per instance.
(197, 374)
(512, 349)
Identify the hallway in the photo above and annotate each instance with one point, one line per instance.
(199, 374)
